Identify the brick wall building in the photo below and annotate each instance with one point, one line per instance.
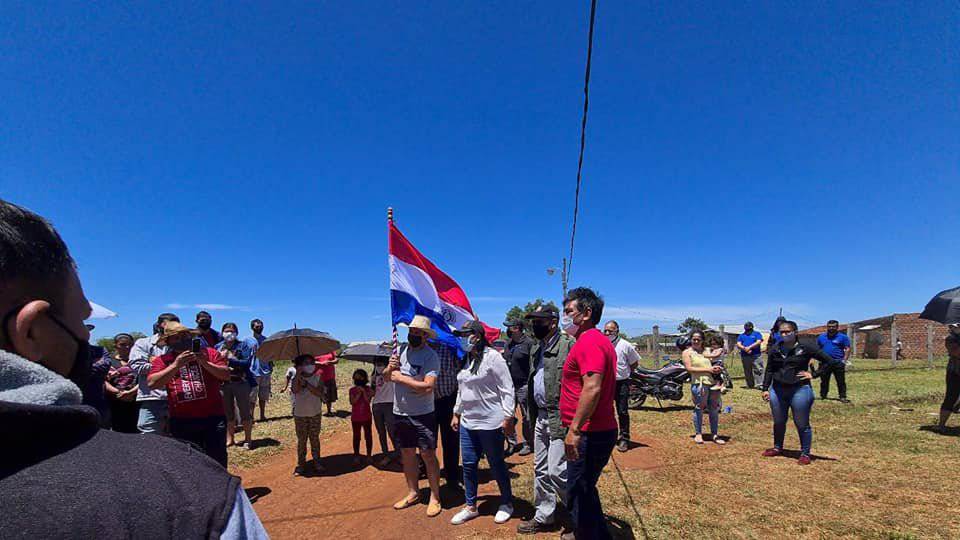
(874, 337)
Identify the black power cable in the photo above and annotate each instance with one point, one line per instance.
(583, 136)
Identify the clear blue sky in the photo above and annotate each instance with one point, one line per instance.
(738, 158)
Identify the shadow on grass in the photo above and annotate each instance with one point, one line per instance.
(795, 454)
(668, 408)
(634, 444)
(257, 493)
(946, 432)
(263, 443)
(274, 419)
(619, 528)
(337, 414)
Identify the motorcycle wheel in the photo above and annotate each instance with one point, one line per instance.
(637, 399)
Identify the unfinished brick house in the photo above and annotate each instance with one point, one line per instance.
(875, 338)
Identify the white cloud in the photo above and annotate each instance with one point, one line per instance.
(761, 314)
(214, 307)
(493, 299)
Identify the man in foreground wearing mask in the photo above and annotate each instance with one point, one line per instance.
(415, 418)
(204, 328)
(627, 360)
(517, 355)
(192, 375)
(236, 391)
(586, 408)
(51, 440)
(547, 355)
(153, 403)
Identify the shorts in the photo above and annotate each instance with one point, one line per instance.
(153, 416)
(416, 431)
(236, 393)
(330, 391)
(262, 389)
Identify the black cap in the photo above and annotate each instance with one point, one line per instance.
(469, 327)
(544, 312)
(510, 323)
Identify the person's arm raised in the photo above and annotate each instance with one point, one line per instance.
(161, 378)
(220, 371)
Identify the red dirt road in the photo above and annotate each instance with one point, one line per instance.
(349, 502)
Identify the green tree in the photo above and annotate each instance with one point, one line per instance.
(516, 312)
(107, 342)
(690, 324)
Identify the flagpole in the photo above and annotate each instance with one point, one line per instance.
(396, 344)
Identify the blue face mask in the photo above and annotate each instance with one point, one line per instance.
(466, 344)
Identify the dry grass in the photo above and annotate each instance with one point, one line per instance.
(882, 476)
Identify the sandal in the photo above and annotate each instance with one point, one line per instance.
(407, 502)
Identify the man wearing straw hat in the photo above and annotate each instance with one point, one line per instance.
(192, 375)
(415, 420)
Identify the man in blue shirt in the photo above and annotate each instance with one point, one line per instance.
(837, 345)
(749, 344)
(262, 371)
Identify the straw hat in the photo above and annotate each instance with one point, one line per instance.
(173, 328)
(421, 322)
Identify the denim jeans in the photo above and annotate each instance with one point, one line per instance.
(475, 443)
(704, 398)
(154, 416)
(582, 476)
(209, 434)
(622, 400)
(799, 398)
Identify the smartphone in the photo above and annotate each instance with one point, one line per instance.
(196, 346)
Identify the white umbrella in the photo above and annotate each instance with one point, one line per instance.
(99, 312)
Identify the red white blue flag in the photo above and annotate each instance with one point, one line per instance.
(418, 287)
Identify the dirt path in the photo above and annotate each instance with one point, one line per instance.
(349, 502)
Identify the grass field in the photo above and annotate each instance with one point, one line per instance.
(881, 474)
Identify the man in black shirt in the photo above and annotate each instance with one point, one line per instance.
(517, 355)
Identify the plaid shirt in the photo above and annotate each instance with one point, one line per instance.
(449, 366)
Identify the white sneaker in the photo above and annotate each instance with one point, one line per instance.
(504, 513)
(464, 516)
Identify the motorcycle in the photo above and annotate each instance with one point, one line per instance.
(663, 383)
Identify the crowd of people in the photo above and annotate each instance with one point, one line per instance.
(558, 391)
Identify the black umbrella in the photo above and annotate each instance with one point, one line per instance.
(944, 307)
(368, 352)
(289, 344)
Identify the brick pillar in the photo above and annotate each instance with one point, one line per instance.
(852, 334)
(656, 346)
(894, 330)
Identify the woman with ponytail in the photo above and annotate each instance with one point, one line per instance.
(483, 415)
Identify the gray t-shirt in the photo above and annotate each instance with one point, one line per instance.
(416, 363)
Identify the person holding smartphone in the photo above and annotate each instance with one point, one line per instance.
(192, 375)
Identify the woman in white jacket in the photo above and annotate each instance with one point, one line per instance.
(483, 415)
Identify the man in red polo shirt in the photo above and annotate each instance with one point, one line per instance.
(192, 380)
(587, 389)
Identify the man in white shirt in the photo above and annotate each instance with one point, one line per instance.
(627, 360)
(153, 403)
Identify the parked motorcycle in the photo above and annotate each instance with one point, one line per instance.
(663, 383)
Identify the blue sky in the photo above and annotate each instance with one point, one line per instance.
(739, 158)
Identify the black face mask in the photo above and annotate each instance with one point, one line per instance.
(360, 382)
(203, 325)
(541, 331)
(415, 341)
(82, 363)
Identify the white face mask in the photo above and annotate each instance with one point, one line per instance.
(566, 322)
(229, 336)
(308, 369)
(466, 344)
